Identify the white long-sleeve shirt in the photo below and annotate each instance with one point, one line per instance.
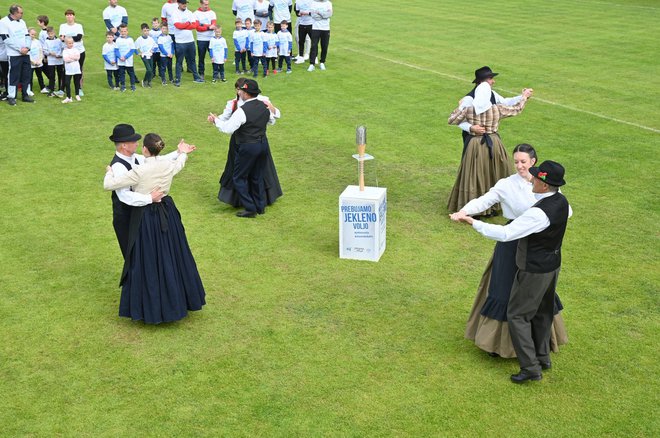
(468, 101)
(533, 220)
(125, 194)
(237, 120)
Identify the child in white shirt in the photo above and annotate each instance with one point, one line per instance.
(284, 44)
(53, 47)
(218, 50)
(166, 47)
(71, 57)
(124, 53)
(36, 54)
(271, 40)
(145, 46)
(240, 46)
(110, 60)
(258, 47)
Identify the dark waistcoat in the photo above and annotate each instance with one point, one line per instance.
(541, 252)
(256, 119)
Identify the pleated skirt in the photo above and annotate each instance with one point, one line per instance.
(160, 282)
(478, 172)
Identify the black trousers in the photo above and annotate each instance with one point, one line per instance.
(324, 37)
(248, 175)
(304, 30)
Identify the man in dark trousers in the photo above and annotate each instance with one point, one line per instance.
(126, 142)
(249, 123)
(538, 258)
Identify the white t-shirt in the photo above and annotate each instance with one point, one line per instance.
(304, 6)
(71, 31)
(36, 54)
(205, 18)
(72, 67)
(108, 51)
(321, 13)
(183, 35)
(261, 12)
(244, 9)
(145, 46)
(218, 47)
(114, 15)
(53, 50)
(166, 13)
(281, 10)
(125, 45)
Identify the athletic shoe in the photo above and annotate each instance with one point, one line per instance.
(238, 72)
(144, 84)
(51, 94)
(322, 66)
(123, 89)
(132, 87)
(176, 84)
(306, 57)
(198, 81)
(3, 95)
(67, 100)
(11, 101)
(223, 80)
(214, 80)
(45, 90)
(300, 60)
(59, 93)
(115, 89)
(28, 99)
(311, 67)
(288, 71)
(80, 93)
(30, 93)
(164, 83)
(78, 98)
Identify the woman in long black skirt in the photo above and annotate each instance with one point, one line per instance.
(160, 281)
(227, 194)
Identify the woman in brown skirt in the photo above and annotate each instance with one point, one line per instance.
(484, 161)
(487, 325)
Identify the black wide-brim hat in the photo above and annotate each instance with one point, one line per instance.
(483, 73)
(124, 133)
(250, 86)
(550, 172)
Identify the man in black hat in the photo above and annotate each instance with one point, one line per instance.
(249, 123)
(485, 74)
(126, 142)
(538, 258)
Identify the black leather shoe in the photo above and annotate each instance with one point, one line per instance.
(545, 365)
(28, 99)
(11, 101)
(524, 376)
(245, 213)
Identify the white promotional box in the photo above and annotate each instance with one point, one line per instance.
(362, 222)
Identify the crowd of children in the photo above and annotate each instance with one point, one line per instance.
(55, 63)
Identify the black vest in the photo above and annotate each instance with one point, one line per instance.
(541, 252)
(116, 203)
(253, 130)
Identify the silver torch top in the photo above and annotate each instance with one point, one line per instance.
(361, 135)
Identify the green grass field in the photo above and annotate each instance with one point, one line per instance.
(294, 341)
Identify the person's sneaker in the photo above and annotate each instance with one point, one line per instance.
(11, 101)
(245, 72)
(67, 100)
(238, 72)
(322, 66)
(80, 93)
(115, 89)
(289, 71)
(30, 93)
(123, 89)
(51, 94)
(132, 87)
(311, 67)
(3, 95)
(164, 83)
(198, 81)
(300, 60)
(78, 98)
(45, 90)
(28, 99)
(149, 84)
(59, 93)
(223, 80)
(214, 80)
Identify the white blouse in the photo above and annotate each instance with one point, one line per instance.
(514, 193)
